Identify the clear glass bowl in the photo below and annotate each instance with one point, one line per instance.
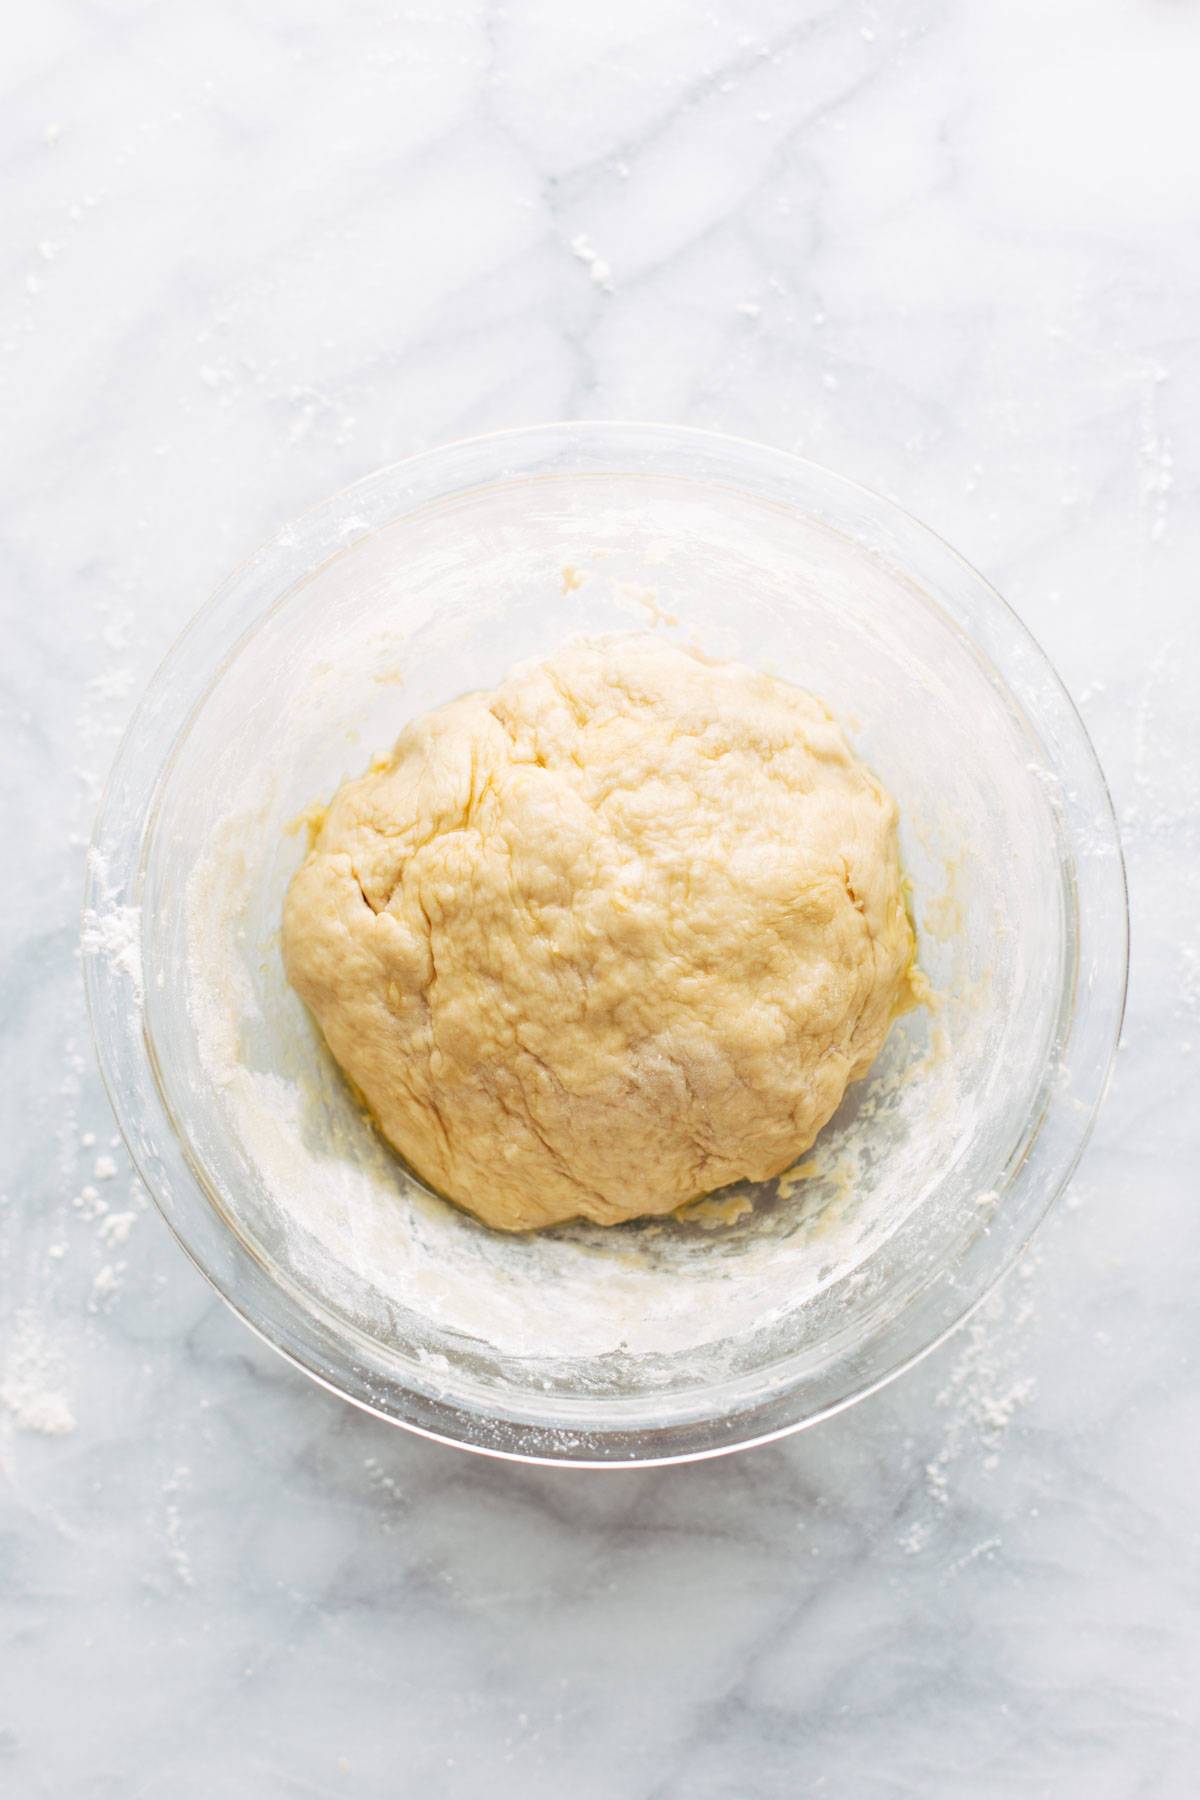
(656, 1341)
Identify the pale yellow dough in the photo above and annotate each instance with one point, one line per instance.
(607, 938)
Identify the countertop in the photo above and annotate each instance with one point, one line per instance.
(250, 253)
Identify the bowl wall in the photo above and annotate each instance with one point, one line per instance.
(660, 1338)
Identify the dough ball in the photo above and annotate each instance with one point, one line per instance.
(607, 938)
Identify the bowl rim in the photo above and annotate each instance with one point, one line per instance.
(112, 977)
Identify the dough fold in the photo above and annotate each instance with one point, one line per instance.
(611, 936)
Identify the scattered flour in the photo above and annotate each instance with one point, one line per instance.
(112, 684)
(1156, 464)
(35, 1409)
(115, 932)
(105, 1285)
(981, 1398)
(29, 1382)
(1189, 977)
(177, 1555)
(380, 1480)
(116, 1227)
(983, 1394)
(88, 1203)
(598, 268)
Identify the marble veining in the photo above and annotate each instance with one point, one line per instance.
(250, 253)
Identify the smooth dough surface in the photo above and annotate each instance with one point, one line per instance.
(611, 936)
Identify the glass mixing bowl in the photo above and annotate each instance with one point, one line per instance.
(658, 1340)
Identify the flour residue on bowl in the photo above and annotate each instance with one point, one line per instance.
(793, 1269)
(348, 1220)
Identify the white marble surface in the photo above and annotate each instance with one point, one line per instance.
(249, 253)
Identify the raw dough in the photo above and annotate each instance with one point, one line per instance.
(607, 938)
